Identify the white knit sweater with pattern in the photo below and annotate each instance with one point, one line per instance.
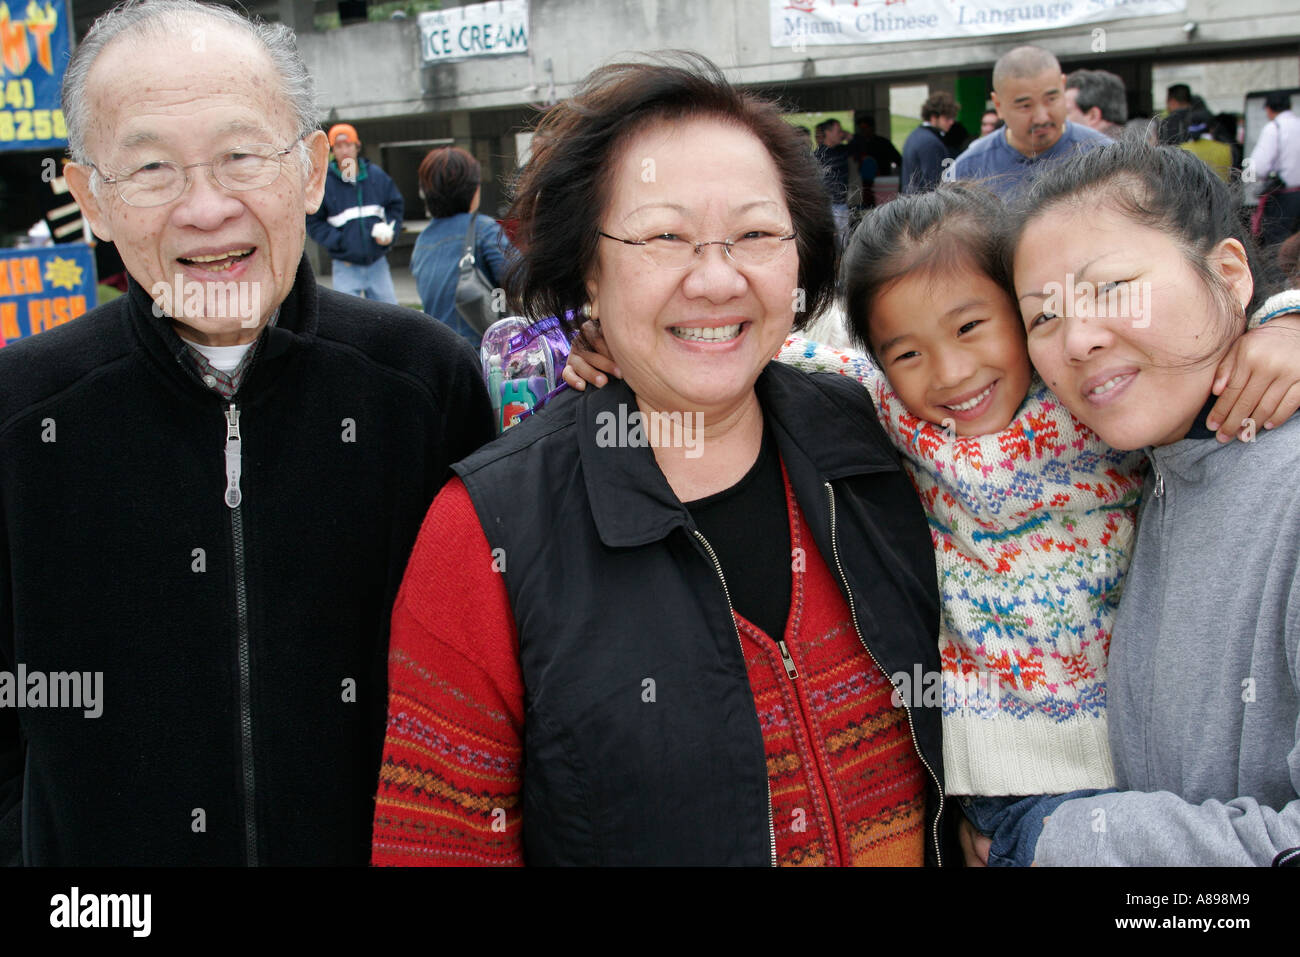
(1033, 529)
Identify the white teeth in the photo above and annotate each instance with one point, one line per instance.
(1107, 385)
(710, 334)
(971, 403)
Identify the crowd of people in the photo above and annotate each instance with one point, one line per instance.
(956, 596)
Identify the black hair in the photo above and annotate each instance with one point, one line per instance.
(938, 232)
(562, 194)
(1179, 93)
(449, 177)
(1164, 188)
(1278, 102)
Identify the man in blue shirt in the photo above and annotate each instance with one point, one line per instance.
(1029, 95)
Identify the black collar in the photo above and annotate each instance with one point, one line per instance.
(1198, 429)
(295, 326)
(631, 501)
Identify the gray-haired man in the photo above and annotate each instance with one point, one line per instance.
(212, 484)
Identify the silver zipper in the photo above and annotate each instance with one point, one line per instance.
(234, 458)
(1160, 479)
(853, 613)
(233, 498)
(771, 825)
(787, 660)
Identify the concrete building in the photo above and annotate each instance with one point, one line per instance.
(375, 74)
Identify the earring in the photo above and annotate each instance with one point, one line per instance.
(586, 310)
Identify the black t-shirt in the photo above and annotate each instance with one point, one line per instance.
(748, 526)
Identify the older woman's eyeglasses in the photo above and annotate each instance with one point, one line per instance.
(670, 251)
(157, 183)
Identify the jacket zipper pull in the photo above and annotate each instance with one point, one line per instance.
(233, 457)
(787, 660)
(1160, 483)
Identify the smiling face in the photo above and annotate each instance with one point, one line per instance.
(953, 349)
(1033, 109)
(159, 99)
(693, 339)
(1135, 360)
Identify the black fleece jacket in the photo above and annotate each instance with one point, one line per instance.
(242, 650)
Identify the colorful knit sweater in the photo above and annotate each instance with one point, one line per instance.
(1033, 530)
(846, 784)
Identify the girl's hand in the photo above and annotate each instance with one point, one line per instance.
(583, 367)
(1259, 380)
(974, 845)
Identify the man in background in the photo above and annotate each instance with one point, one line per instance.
(356, 223)
(1275, 163)
(833, 154)
(1029, 95)
(1096, 99)
(924, 150)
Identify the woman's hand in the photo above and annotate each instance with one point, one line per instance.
(974, 845)
(1259, 380)
(584, 367)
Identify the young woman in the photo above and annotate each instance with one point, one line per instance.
(1205, 661)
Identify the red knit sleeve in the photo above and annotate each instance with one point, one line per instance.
(450, 781)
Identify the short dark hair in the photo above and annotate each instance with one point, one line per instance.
(825, 125)
(1278, 101)
(1163, 187)
(562, 193)
(448, 178)
(1102, 89)
(933, 233)
(938, 104)
(1179, 93)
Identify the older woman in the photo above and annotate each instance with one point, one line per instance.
(449, 183)
(1205, 659)
(656, 624)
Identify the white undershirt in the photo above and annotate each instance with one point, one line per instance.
(223, 358)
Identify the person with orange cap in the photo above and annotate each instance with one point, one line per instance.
(360, 216)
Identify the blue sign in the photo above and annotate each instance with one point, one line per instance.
(33, 56)
(43, 288)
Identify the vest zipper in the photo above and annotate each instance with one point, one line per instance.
(771, 825)
(853, 613)
(233, 496)
(787, 660)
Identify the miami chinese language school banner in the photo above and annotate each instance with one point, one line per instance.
(43, 288)
(480, 29)
(33, 55)
(801, 23)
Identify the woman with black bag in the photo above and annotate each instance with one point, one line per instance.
(461, 256)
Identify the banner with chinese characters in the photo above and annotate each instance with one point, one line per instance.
(33, 55)
(478, 29)
(43, 288)
(803, 23)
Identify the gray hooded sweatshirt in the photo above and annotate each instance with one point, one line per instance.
(1204, 685)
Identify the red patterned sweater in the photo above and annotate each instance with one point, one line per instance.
(847, 786)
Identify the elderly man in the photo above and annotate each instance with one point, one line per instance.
(1029, 95)
(1096, 99)
(212, 484)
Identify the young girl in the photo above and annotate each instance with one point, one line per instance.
(1032, 517)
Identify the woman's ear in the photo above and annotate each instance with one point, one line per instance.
(1228, 259)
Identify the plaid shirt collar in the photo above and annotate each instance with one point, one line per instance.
(225, 384)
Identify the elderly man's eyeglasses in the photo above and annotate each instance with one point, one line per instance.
(670, 251)
(157, 183)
